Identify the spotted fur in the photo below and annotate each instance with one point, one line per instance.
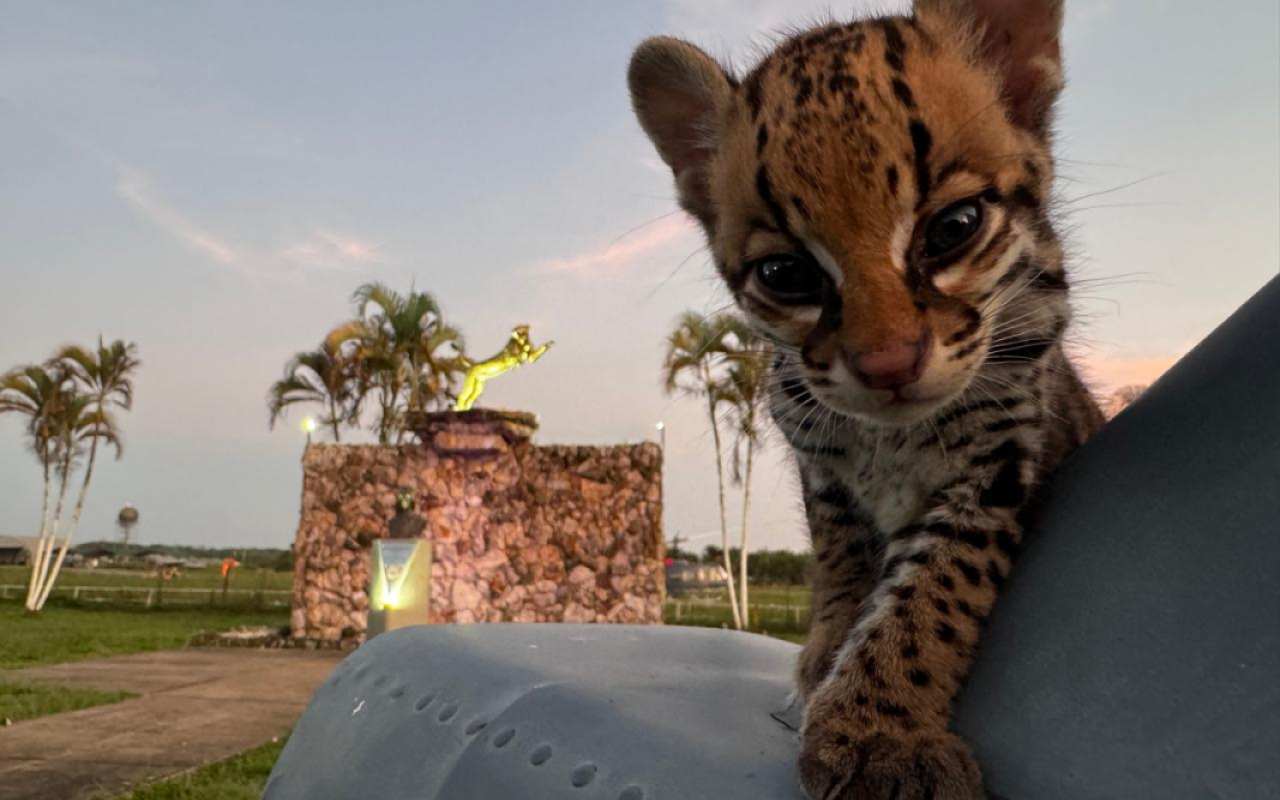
(837, 152)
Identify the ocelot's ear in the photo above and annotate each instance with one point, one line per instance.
(680, 94)
(1022, 40)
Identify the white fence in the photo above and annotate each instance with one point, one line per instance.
(268, 598)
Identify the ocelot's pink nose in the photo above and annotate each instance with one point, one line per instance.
(891, 367)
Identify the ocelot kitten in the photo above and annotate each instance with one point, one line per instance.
(876, 196)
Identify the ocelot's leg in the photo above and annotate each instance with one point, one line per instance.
(846, 566)
(879, 719)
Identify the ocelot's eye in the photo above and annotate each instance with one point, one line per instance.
(952, 228)
(790, 279)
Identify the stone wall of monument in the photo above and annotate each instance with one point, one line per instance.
(520, 533)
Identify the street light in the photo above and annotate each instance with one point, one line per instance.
(662, 435)
(309, 425)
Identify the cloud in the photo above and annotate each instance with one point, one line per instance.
(327, 250)
(136, 189)
(624, 252)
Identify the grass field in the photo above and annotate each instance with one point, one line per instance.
(778, 611)
(60, 634)
(19, 701)
(238, 778)
(248, 579)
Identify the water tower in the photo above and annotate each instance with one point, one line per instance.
(125, 520)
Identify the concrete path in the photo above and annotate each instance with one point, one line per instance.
(195, 706)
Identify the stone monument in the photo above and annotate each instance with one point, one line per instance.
(400, 579)
(518, 532)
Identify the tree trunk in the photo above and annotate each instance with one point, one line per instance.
(71, 530)
(37, 558)
(46, 547)
(333, 420)
(724, 522)
(746, 506)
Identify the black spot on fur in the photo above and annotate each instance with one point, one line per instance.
(968, 610)
(911, 650)
(1001, 425)
(919, 677)
(951, 168)
(803, 210)
(995, 574)
(895, 47)
(1024, 196)
(971, 573)
(972, 321)
(904, 94)
(942, 605)
(946, 633)
(804, 89)
(903, 592)
(1050, 281)
(1008, 450)
(755, 94)
(765, 190)
(945, 581)
(835, 494)
(967, 350)
(892, 176)
(890, 709)
(922, 143)
(1007, 489)
(762, 139)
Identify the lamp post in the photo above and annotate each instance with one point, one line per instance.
(309, 425)
(662, 435)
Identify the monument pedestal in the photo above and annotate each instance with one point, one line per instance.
(477, 432)
(400, 584)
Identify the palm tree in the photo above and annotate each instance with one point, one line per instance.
(37, 393)
(694, 348)
(747, 381)
(104, 379)
(324, 376)
(80, 423)
(399, 352)
(442, 364)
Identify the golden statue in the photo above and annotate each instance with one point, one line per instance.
(518, 351)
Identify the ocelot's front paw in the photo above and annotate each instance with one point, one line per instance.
(877, 766)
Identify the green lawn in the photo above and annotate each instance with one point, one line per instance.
(238, 778)
(778, 611)
(19, 701)
(61, 634)
(244, 579)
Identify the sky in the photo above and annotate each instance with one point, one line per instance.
(213, 180)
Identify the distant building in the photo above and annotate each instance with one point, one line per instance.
(17, 549)
(686, 576)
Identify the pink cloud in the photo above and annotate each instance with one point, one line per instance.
(331, 251)
(134, 187)
(624, 251)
